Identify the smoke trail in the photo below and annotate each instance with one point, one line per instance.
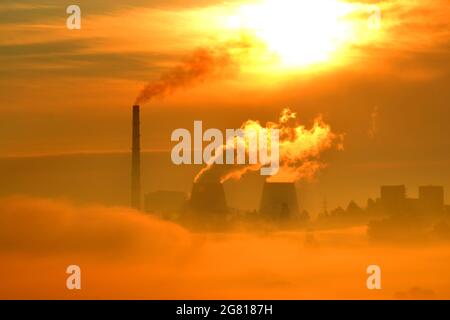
(220, 60)
(299, 150)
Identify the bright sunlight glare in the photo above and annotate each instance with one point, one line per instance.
(299, 32)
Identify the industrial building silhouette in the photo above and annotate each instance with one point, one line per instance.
(278, 201)
(393, 200)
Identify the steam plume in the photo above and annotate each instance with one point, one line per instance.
(203, 63)
(299, 150)
(373, 129)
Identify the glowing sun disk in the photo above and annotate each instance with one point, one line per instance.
(300, 32)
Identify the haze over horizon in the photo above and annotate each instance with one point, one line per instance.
(376, 74)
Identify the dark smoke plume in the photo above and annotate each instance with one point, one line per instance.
(203, 63)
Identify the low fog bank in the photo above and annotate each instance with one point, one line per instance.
(126, 254)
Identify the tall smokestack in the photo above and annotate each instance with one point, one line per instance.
(136, 161)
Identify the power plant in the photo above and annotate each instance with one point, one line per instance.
(279, 201)
(207, 204)
(208, 197)
(136, 159)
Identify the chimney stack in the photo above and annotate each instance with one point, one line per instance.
(136, 161)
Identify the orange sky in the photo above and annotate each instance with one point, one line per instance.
(80, 77)
(69, 92)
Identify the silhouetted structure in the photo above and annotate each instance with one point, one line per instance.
(279, 201)
(411, 219)
(393, 199)
(431, 199)
(136, 160)
(208, 197)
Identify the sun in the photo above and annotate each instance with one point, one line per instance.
(299, 32)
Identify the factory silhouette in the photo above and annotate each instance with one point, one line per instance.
(391, 216)
(207, 201)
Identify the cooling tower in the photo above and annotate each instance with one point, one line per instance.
(279, 201)
(208, 197)
(136, 160)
